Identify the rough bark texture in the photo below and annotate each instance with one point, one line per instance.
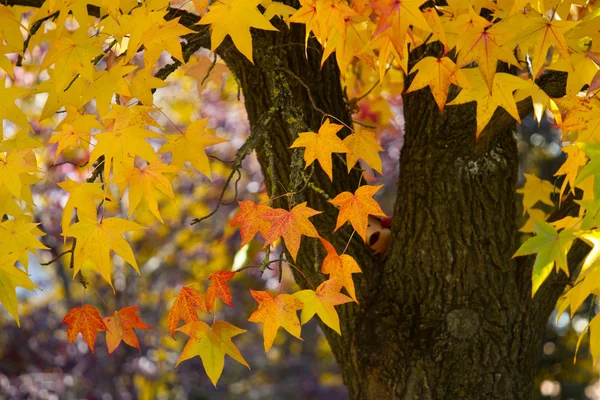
(447, 314)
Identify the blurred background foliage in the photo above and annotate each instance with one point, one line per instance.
(36, 362)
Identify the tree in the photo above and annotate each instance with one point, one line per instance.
(454, 307)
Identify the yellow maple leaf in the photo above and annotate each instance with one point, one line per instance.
(107, 83)
(8, 108)
(10, 278)
(235, 18)
(501, 95)
(75, 131)
(143, 181)
(13, 168)
(322, 302)
(163, 36)
(72, 54)
(576, 159)
(320, 146)
(211, 344)
(95, 240)
(275, 313)
(395, 18)
(363, 145)
(190, 145)
(127, 138)
(438, 74)
(81, 196)
(142, 84)
(535, 190)
(537, 34)
(486, 47)
(18, 236)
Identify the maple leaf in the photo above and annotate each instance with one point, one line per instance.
(363, 145)
(576, 159)
(120, 327)
(190, 145)
(487, 101)
(275, 313)
(535, 190)
(357, 207)
(184, 307)
(438, 74)
(541, 101)
(218, 288)
(349, 42)
(85, 320)
(142, 183)
(550, 247)
(96, 239)
(126, 140)
(81, 196)
(290, 225)
(57, 99)
(204, 71)
(10, 278)
(211, 344)
(486, 47)
(537, 34)
(340, 268)
(13, 167)
(307, 15)
(105, 84)
(322, 302)
(75, 131)
(235, 18)
(8, 108)
(164, 36)
(18, 236)
(72, 54)
(395, 19)
(250, 220)
(10, 28)
(142, 84)
(319, 146)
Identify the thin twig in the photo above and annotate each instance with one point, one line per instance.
(55, 259)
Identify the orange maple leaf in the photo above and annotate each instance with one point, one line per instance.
(274, 313)
(251, 221)
(357, 207)
(218, 287)
(120, 328)
(320, 146)
(85, 319)
(290, 225)
(184, 307)
(340, 268)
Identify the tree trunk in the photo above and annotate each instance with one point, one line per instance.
(447, 314)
